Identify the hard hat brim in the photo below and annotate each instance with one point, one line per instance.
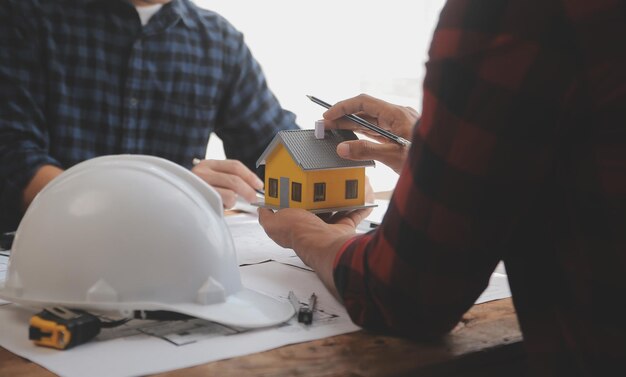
(245, 309)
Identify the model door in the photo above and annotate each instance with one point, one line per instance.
(284, 192)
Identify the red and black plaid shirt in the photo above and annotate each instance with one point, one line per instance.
(520, 156)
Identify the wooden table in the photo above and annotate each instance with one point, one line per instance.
(487, 342)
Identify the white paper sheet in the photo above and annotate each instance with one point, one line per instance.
(141, 354)
(252, 244)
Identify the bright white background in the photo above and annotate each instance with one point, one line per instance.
(335, 49)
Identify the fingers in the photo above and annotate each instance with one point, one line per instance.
(230, 178)
(353, 105)
(325, 216)
(369, 191)
(236, 168)
(229, 197)
(334, 117)
(267, 219)
(355, 217)
(397, 119)
(344, 123)
(280, 227)
(390, 154)
(350, 218)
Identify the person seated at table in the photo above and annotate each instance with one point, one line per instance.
(89, 78)
(520, 157)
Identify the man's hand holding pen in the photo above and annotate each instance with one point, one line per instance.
(398, 120)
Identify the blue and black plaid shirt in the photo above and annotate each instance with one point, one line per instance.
(80, 79)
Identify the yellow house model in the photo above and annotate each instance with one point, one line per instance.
(303, 171)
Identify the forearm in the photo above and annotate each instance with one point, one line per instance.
(319, 253)
(42, 177)
(316, 242)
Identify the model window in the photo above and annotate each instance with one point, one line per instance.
(273, 189)
(352, 189)
(296, 191)
(319, 192)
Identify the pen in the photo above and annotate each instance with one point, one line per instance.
(371, 126)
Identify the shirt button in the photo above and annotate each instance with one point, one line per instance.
(133, 102)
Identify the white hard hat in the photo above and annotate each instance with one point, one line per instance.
(133, 232)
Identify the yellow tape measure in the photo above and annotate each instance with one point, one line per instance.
(63, 328)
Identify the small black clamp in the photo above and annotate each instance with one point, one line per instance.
(6, 240)
(304, 311)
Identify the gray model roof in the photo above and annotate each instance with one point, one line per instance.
(312, 153)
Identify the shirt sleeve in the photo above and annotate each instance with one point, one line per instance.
(479, 160)
(250, 114)
(23, 133)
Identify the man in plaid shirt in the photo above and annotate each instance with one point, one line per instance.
(520, 156)
(84, 78)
